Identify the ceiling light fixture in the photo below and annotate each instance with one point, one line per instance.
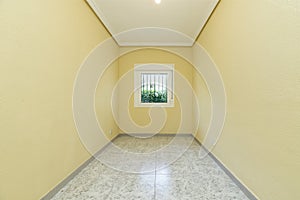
(157, 1)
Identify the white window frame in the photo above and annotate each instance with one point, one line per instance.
(153, 68)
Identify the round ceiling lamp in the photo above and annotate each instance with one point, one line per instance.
(157, 1)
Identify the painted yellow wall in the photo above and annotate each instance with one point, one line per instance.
(255, 44)
(201, 106)
(141, 115)
(42, 46)
(104, 101)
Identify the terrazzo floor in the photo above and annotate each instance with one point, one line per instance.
(158, 167)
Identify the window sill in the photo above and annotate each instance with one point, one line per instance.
(150, 105)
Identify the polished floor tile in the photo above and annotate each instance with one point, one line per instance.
(154, 168)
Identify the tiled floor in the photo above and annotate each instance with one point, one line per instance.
(160, 167)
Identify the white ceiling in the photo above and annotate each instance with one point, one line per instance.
(145, 23)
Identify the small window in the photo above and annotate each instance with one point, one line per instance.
(153, 85)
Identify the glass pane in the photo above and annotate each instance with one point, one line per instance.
(154, 88)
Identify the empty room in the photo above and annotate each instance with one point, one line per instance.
(150, 100)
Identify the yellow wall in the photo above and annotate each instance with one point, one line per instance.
(104, 101)
(255, 44)
(140, 115)
(42, 46)
(201, 106)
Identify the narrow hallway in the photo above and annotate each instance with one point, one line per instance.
(111, 99)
